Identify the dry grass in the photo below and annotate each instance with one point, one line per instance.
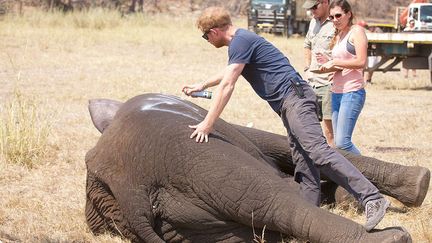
(64, 61)
(24, 131)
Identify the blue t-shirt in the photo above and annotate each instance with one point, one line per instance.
(267, 69)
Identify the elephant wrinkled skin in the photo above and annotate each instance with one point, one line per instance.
(147, 181)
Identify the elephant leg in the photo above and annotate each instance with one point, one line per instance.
(408, 184)
(102, 211)
(226, 233)
(293, 216)
(238, 193)
(274, 146)
(318, 225)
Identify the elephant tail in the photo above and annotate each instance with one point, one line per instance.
(102, 112)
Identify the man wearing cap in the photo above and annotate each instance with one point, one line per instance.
(317, 42)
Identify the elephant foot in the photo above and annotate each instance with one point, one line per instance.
(421, 190)
(411, 188)
(389, 235)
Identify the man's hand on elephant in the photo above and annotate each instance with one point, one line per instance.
(188, 89)
(202, 130)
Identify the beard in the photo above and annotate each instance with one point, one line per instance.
(218, 44)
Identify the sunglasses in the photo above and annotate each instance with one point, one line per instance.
(336, 16)
(205, 35)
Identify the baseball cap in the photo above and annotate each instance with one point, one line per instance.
(310, 3)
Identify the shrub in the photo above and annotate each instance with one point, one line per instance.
(23, 132)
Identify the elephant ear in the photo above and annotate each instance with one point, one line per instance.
(102, 112)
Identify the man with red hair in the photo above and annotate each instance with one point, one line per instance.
(274, 79)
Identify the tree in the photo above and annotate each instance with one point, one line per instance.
(132, 7)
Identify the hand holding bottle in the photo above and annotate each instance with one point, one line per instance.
(189, 88)
(197, 90)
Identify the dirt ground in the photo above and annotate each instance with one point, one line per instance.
(62, 62)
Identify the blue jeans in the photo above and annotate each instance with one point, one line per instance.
(346, 108)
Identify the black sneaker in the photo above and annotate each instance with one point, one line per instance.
(375, 211)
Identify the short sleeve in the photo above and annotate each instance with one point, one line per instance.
(240, 51)
(307, 42)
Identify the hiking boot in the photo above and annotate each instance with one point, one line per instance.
(375, 211)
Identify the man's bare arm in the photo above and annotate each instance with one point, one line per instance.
(223, 94)
(307, 58)
(212, 81)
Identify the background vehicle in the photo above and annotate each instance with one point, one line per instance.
(419, 11)
(413, 48)
(285, 17)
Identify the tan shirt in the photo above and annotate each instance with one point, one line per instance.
(318, 39)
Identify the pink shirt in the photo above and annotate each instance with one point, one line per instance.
(346, 80)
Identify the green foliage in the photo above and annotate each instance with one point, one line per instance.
(23, 132)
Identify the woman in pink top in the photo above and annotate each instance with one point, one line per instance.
(349, 56)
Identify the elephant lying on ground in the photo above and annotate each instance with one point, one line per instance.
(147, 181)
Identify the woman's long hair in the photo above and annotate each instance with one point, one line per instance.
(346, 7)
